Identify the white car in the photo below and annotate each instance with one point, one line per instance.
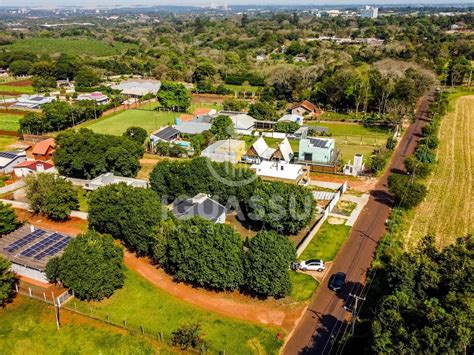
(312, 265)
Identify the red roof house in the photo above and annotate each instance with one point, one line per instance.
(33, 166)
(305, 108)
(44, 150)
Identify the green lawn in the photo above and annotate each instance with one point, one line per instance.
(116, 124)
(17, 89)
(141, 303)
(326, 243)
(9, 122)
(242, 88)
(74, 46)
(335, 116)
(348, 151)
(5, 141)
(195, 105)
(352, 129)
(29, 327)
(82, 197)
(302, 286)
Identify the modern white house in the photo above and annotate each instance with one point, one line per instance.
(292, 118)
(282, 171)
(228, 150)
(138, 87)
(32, 101)
(8, 160)
(355, 168)
(109, 179)
(243, 123)
(260, 151)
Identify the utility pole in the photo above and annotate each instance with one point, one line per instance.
(354, 311)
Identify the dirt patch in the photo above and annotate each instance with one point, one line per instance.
(334, 220)
(209, 98)
(358, 184)
(73, 226)
(232, 304)
(19, 83)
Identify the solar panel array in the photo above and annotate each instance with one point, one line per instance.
(24, 241)
(54, 249)
(8, 155)
(318, 143)
(42, 244)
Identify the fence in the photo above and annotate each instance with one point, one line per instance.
(330, 206)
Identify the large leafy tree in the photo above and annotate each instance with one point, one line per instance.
(92, 266)
(174, 96)
(8, 220)
(285, 208)
(222, 127)
(51, 195)
(422, 300)
(206, 254)
(407, 191)
(127, 213)
(267, 262)
(262, 111)
(137, 134)
(86, 77)
(7, 280)
(85, 154)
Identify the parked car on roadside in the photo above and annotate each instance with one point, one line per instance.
(338, 281)
(312, 265)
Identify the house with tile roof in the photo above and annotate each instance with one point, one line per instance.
(305, 108)
(44, 149)
(202, 111)
(29, 167)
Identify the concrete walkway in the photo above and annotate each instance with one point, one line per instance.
(361, 202)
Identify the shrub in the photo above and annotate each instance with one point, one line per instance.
(92, 266)
(425, 154)
(287, 127)
(51, 195)
(7, 280)
(417, 168)
(127, 213)
(234, 105)
(267, 264)
(187, 336)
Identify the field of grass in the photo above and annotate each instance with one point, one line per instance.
(74, 46)
(302, 286)
(29, 327)
(141, 303)
(5, 141)
(326, 243)
(82, 197)
(335, 116)
(241, 88)
(116, 124)
(16, 89)
(448, 209)
(9, 122)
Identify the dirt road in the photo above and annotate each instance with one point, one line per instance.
(326, 317)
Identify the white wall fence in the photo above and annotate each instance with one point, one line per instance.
(330, 206)
(12, 187)
(45, 296)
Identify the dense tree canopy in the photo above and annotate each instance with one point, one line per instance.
(137, 134)
(51, 195)
(285, 208)
(7, 281)
(407, 192)
(222, 127)
(267, 262)
(422, 303)
(206, 254)
(127, 213)
(174, 96)
(92, 266)
(8, 220)
(85, 154)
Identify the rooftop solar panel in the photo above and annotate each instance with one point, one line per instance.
(42, 244)
(24, 241)
(8, 155)
(54, 249)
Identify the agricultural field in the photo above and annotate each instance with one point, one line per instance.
(447, 211)
(15, 90)
(29, 327)
(74, 46)
(116, 124)
(9, 121)
(141, 303)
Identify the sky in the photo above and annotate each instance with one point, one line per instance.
(95, 3)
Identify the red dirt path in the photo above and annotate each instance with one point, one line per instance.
(19, 83)
(230, 304)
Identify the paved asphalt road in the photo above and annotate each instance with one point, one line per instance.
(326, 316)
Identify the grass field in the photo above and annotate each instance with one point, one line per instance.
(140, 303)
(74, 46)
(5, 141)
(118, 123)
(16, 89)
(9, 122)
(326, 243)
(28, 327)
(448, 210)
(302, 286)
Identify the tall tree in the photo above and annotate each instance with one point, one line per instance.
(7, 281)
(8, 220)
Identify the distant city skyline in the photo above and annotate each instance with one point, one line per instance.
(111, 3)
